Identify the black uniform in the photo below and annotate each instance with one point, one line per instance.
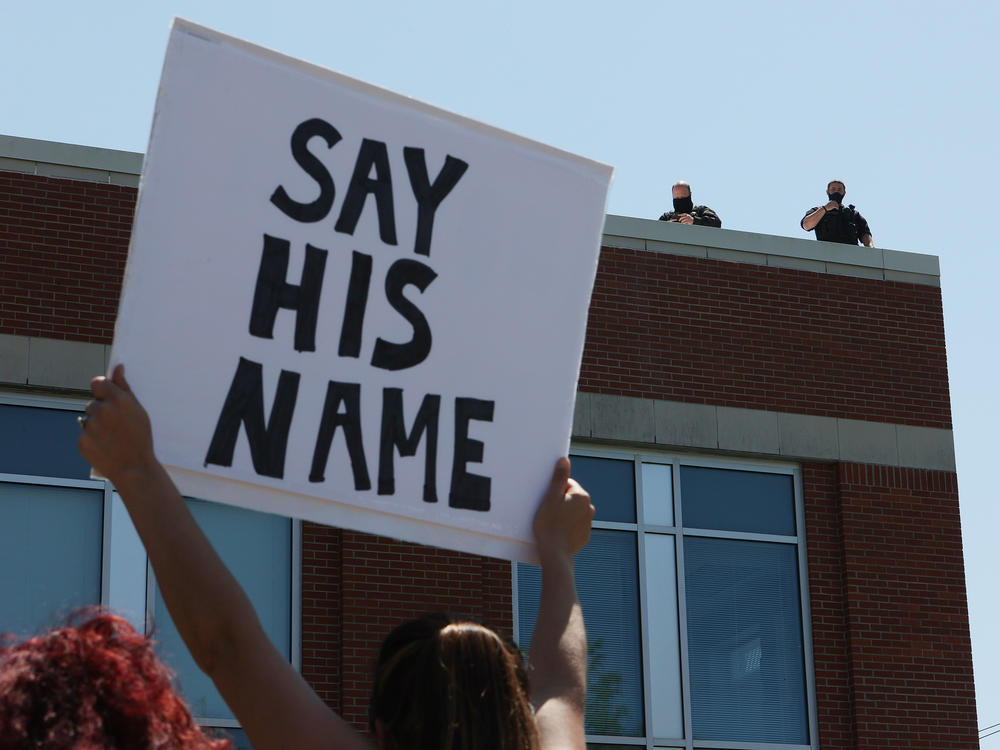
(844, 225)
(703, 216)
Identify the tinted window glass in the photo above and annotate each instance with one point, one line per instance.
(608, 581)
(50, 554)
(40, 442)
(611, 484)
(730, 500)
(256, 547)
(745, 641)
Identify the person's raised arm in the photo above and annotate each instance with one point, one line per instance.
(557, 664)
(707, 218)
(815, 215)
(275, 706)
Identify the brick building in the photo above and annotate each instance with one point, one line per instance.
(764, 424)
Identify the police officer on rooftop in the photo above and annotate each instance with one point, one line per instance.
(685, 212)
(836, 223)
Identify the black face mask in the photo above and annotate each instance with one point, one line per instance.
(683, 205)
(839, 197)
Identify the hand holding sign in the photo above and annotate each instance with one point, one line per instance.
(116, 439)
(562, 521)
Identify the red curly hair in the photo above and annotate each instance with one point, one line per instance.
(95, 684)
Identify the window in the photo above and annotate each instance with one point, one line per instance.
(66, 542)
(53, 516)
(257, 548)
(694, 594)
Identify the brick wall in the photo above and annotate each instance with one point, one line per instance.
(889, 617)
(758, 337)
(357, 587)
(63, 245)
(661, 326)
(831, 659)
(892, 651)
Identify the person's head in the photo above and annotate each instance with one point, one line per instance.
(95, 684)
(835, 190)
(681, 192)
(442, 684)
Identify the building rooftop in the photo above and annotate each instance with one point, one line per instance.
(102, 165)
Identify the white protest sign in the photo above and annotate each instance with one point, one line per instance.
(347, 306)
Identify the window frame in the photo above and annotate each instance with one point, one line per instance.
(111, 514)
(675, 459)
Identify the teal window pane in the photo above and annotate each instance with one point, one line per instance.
(607, 580)
(257, 548)
(50, 554)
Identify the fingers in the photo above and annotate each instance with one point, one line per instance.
(106, 388)
(100, 387)
(560, 477)
(118, 376)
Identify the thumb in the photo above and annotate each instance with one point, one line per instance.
(118, 378)
(560, 477)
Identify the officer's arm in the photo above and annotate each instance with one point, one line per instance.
(864, 233)
(812, 218)
(707, 218)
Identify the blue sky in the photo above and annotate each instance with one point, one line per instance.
(756, 104)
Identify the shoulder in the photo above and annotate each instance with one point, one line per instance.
(702, 209)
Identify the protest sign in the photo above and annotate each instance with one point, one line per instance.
(344, 305)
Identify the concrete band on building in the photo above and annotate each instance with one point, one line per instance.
(712, 356)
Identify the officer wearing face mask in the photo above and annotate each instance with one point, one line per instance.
(685, 212)
(835, 222)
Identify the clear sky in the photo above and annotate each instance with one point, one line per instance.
(757, 105)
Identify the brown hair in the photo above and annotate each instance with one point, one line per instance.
(442, 684)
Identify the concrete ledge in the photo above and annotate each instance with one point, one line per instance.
(747, 430)
(14, 359)
(771, 250)
(50, 363)
(69, 365)
(911, 278)
(799, 437)
(620, 417)
(911, 262)
(808, 435)
(921, 446)
(69, 162)
(689, 425)
(867, 442)
(71, 155)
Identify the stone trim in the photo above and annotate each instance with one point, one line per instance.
(770, 250)
(800, 437)
(69, 161)
(31, 361)
(50, 363)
